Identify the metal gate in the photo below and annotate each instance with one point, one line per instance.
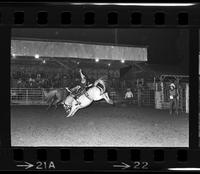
(183, 100)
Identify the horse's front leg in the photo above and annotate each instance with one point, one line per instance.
(74, 109)
(71, 110)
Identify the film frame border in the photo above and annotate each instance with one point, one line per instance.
(52, 15)
(139, 17)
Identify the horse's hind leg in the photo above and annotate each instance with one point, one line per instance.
(106, 97)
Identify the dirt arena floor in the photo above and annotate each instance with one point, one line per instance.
(98, 125)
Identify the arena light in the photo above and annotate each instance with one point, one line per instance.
(37, 56)
(96, 60)
(78, 63)
(122, 61)
(44, 61)
(14, 55)
(109, 64)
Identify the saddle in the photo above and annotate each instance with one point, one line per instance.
(80, 91)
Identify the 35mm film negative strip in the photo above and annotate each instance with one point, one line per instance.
(99, 86)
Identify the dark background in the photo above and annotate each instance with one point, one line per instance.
(165, 46)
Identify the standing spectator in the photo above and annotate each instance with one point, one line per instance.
(19, 83)
(38, 77)
(129, 96)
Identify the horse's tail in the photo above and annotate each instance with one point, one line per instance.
(102, 82)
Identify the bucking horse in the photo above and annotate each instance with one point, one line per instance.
(95, 93)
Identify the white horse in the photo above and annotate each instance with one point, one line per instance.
(95, 93)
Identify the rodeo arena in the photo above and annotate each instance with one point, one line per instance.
(126, 101)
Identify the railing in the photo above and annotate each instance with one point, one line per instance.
(27, 96)
(35, 96)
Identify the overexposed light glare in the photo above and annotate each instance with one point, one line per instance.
(96, 60)
(122, 61)
(37, 56)
(184, 169)
(44, 61)
(140, 4)
(109, 64)
(13, 55)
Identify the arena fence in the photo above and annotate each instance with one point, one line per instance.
(146, 97)
(27, 96)
(35, 96)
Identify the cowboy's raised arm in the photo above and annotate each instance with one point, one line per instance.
(82, 76)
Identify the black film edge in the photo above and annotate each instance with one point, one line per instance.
(99, 87)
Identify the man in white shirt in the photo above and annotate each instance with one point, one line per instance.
(173, 96)
(129, 96)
